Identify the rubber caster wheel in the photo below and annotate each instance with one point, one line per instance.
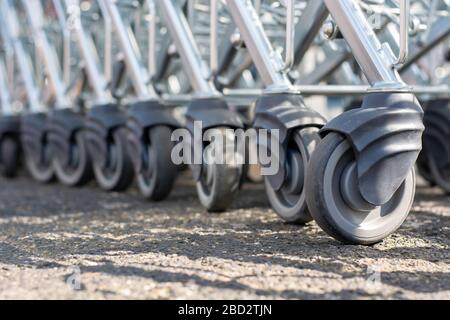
(289, 202)
(424, 169)
(219, 182)
(158, 173)
(434, 160)
(41, 169)
(116, 173)
(335, 202)
(438, 175)
(74, 168)
(9, 156)
(37, 149)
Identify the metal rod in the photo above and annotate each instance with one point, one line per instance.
(247, 96)
(374, 58)
(152, 29)
(404, 33)
(137, 72)
(5, 98)
(438, 33)
(23, 60)
(66, 40)
(290, 36)
(97, 81)
(308, 27)
(213, 54)
(196, 69)
(107, 63)
(46, 52)
(338, 90)
(268, 62)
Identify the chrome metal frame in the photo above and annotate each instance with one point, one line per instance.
(24, 64)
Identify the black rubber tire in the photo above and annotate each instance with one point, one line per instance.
(79, 171)
(424, 169)
(41, 172)
(159, 173)
(324, 198)
(439, 176)
(433, 162)
(118, 175)
(292, 207)
(225, 181)
(220, 195)
(9, 156)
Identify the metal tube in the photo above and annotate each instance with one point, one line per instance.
(337, 90)
(107, 63)
(97, 81)
(196, 69)
(248, 96)
(46, 53)
(214, 59)
(5, 98)
(404, 33)
(66, 40)
(268, 62)
(138, 74)
(375, 59)
(308, 27)
(439, 31)
(8, 54)
(23, 60)
(152, 69)
(290, 35)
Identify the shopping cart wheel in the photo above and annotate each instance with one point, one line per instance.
(289, 202)
(434, 160)
(36, 147)
(74, 169)
(336, 204)
(220, 180)
(71, 159)
(9, 156)
(116, 172)
(424, 169)
(158, 173)
(440, 174)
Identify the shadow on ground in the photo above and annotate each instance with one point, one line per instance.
(127, 247)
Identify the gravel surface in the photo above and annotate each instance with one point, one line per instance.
(61, 243)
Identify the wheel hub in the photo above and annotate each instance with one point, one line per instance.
(350, 191)
(295, 173)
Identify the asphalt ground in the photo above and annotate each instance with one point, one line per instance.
(62, 243)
